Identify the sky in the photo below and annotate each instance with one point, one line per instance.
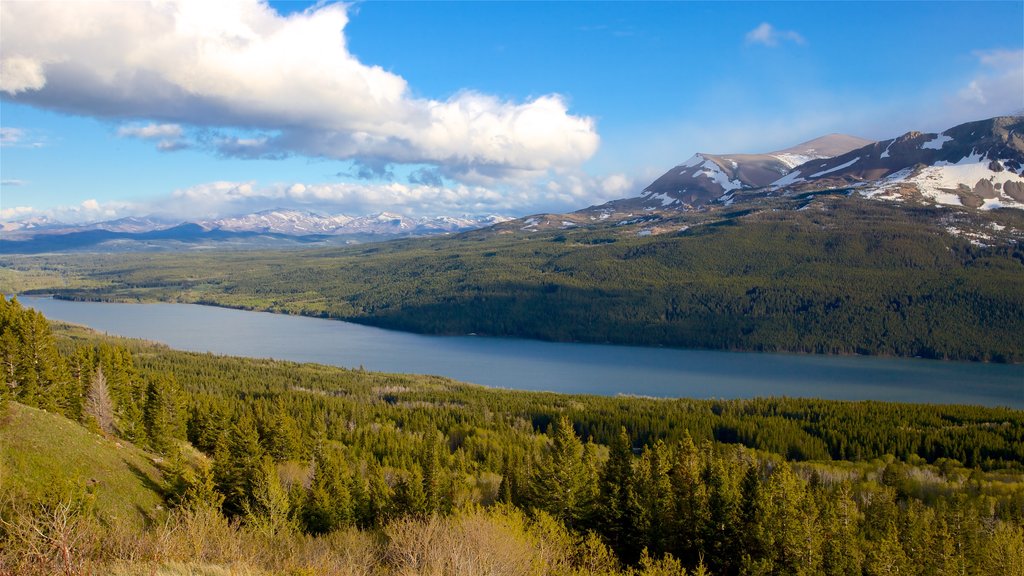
(195, 110)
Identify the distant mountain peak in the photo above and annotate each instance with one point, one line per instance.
(975, 165)
(705, 178)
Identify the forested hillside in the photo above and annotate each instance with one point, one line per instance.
(275, 467)
(841, 276)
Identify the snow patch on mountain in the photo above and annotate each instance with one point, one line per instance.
(714, 173)
(840, 167)
(665, 199)
(791, 178)
(936, 143)
(793, 160)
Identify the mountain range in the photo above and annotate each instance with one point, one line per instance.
(267, 228)
(972, 166)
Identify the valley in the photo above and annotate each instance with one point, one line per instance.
(846, 275)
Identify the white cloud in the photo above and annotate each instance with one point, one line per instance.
(11, 136)
(18, 74)
(769, 35)
(17, 213)
(555, 192)
(13, 182)
(997, 87)
(18, 137)
(240, 65)
(88, 211)
(150, 131)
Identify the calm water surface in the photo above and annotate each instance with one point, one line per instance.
(559, 367)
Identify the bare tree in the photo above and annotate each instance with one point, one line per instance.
(98, 405)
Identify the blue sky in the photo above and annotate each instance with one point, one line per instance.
(208, 109)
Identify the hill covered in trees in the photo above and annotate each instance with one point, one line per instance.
(841, 276)
(275, 467)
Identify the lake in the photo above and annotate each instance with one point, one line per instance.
(557, 367)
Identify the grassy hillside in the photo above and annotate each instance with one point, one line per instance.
(44, 457)
(841, 276)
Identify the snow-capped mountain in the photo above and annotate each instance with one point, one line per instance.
(38, 225)
(977, 165)
(265, 228)
(706, 177)
(304, 223)
(280, 221)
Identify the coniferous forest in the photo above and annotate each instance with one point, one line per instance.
(203, 464)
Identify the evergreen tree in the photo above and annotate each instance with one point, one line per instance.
(161, 414)
(99, 408)
(650, 499)
(691, 501)
(615, 519)
(267, 508)
(840, 522)
(409, 498)
(283, 437)
(328, 503)
(236, 464)
(560, 484)
(430, 462)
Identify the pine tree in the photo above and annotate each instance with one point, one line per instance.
(236, 463)
(283, 436)
(161, 414)
(267, 508)
(99, 408)
(328, 504)
(432, 481)
(691, 501)
(615, 519)
(409, 498)
(560, 484)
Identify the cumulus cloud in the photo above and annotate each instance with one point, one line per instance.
(997, 87)
(17, 213)
(769, 35)
(241, 65)
(88, 211)
(168, 137)
(150, 131)
(427, 194)
(11, 136)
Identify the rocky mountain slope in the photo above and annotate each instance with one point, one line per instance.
(971, 167)
(976, 165)
(706, 177)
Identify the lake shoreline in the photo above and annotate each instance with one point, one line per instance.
(368, 321)
(586, 368)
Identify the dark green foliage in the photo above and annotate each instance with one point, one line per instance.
(237, 459)
(34, 374)
(561, 482)
(328, 503)
(163, 413)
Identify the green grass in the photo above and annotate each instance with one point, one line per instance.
(45, 456)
